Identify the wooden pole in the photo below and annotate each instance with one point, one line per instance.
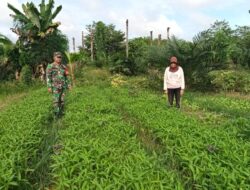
(127, 48)
(74, 45)
(159, 39)
(168, 29)
(83, 42)
(92, 44)
(151, 37)
(71, 68)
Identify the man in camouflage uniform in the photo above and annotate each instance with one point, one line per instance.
(57, 82)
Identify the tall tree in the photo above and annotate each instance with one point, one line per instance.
(107, 41)
(241, 54)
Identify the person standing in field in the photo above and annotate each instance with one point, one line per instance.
(174, 82)
(57, 82)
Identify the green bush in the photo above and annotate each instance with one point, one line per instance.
(26, 75)
(101, 60)
(230, 80)
(155, 79)
(156, 56)
(8, 88)
(80, 58)
(137, 52)
(141, 64)
(123, 65)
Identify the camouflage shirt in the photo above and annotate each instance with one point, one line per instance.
(57, 76)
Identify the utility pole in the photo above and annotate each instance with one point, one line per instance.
(159, 39)
(168, 30)
(92, 44)
(151, 38)
(127, 48)
(83, 43)
(74, 44)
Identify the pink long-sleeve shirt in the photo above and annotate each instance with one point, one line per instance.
(173, 80)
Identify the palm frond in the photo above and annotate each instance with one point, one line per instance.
(42, 8)
(32, 16)
(16, 11)
(4, 40)
(56, 12)
(48, 10)
(18, 14)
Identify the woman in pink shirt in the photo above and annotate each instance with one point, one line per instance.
(174, 82)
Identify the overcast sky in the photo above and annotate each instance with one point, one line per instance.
(185, 17)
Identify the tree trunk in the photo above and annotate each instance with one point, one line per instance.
(43, 73)
(17, 74)
(33, 72)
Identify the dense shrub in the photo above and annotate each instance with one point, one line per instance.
(155, 79)
(26, 76)
(230, 80)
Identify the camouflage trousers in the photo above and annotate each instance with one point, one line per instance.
(58, 101)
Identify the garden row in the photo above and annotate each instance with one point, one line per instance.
(99, 150)
(207, 157)
(22, 134)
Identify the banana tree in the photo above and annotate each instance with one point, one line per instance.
(33, 23)
(35, 29)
